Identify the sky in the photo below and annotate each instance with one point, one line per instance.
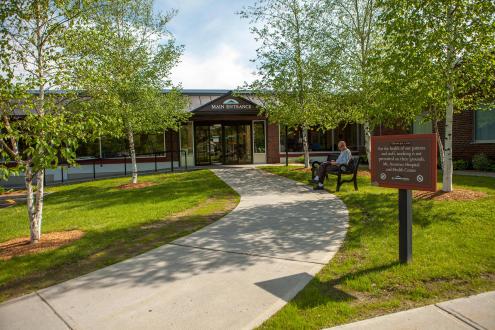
(218, 44)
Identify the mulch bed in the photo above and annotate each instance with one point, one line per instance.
(138, 185)
(21, 246)
(14, 193)
(7, 202)
(456, 195)
(364, 173)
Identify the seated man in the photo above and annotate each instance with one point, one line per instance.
(332, 166)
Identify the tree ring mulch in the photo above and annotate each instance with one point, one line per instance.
(49, 241)
(138, 185)
(455, 195)
(7, 202)
(364, 173)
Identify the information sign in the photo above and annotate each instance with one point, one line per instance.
(404, 161)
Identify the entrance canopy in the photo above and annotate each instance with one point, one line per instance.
(227, 104)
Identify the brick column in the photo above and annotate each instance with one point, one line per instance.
(272, 141)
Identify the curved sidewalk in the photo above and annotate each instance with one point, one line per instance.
(232, 274)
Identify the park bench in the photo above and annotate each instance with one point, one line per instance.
(350, 169)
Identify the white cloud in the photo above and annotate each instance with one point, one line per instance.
(224, 68)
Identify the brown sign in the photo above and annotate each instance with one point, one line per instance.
(404, 161)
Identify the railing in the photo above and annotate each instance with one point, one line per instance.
(114, 167)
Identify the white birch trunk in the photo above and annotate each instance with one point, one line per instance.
(449, 114)
(305, 147)
(38, 205)
(34, 204)
(440, 145)
(447, 161)
(367, 142)
(130, 136)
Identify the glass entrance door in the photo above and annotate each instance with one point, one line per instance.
(208, 144)
(238, 144)
(216, 144)
(227, 144)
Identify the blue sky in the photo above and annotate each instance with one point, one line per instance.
(218, 45)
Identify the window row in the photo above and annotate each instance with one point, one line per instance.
(352, 134)
(107, 147)
(484, 125)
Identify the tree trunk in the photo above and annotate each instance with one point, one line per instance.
(305, 147)
(367, 142)
(130, 136)
(447, 161)
(449, 113)
(440, 145)
(34, 204)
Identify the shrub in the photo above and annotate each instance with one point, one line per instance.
(481, 162)
(364, 158)
(492, 168)
(299, 160)
(461, 165)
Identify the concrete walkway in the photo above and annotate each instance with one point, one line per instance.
(233, 274)
(475, 312)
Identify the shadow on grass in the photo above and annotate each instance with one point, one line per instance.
(322, 292)
(98, 196)
(98, 249)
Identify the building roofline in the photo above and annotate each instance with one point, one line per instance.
(186, 91)
(213, 92)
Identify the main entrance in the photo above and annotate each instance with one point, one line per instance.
(223, 143)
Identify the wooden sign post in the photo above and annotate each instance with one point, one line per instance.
(407, 162)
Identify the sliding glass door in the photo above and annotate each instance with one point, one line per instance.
(230, 143)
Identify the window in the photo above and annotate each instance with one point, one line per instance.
(352, 134)
(420, 126)
(485, 125)
(319, 140)
(186, 138)
(114, 147)
(149, 143)
(294, 140)
(259, 137)
(88, 150)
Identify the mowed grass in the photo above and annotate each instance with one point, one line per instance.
(118, 224)
(453, 256)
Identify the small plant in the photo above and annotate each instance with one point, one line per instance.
(460, 165)
(299, 160)
(364, 158)
(492, 168)
(481, 162)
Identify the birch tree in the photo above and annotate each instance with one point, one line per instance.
(37, 128)
(292, 65)
(447, 48)
(354, 28)
(130, 53)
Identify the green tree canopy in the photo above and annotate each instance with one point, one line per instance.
(438, 55)
(294, 72)
(129, 54)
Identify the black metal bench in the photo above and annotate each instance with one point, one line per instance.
(350, 169)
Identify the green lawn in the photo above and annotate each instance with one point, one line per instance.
(453, 256)
(118, 224)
